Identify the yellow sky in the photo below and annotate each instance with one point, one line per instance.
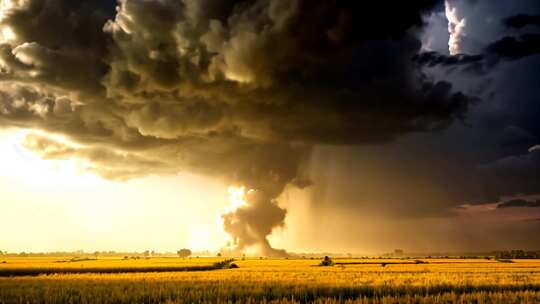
(53, 205)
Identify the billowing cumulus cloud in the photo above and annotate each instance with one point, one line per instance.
(241, 90)
(456, 27)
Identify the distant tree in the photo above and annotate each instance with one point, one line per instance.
(146, 253)
(219, 254)
(183, 253)
(96, 254)
(327, 261)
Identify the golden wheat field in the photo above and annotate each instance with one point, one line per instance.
(156, 280)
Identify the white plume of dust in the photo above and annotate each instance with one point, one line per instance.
(456, 28)
(250, 219)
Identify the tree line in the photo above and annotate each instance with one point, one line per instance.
(517, 254)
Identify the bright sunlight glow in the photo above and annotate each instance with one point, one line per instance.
(237, 198)
(23, 165)
(42, 206)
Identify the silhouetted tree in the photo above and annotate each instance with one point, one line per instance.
(327, 261)
(183, 253)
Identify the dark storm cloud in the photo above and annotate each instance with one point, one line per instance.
(513, 48)
(417, 179)
(237, 89)
(522, 20)
(515, 175)
(505, 49)
(426, 176)
(56, 43)
(238, 75)
(431, 59)
(519, 203)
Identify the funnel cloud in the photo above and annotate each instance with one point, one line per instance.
(250, 224)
